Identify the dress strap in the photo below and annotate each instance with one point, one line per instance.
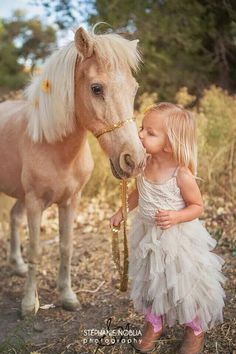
(175, 172)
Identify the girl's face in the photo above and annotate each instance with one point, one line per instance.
(153, 135)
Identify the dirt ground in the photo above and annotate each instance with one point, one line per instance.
(94, 278)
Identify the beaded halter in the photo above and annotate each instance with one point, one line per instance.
(113, 127)
(122, 270)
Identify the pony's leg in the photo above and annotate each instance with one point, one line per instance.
(67, 297)
(34, 214)
(18, 265)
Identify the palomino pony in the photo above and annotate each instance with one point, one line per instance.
(44, 154)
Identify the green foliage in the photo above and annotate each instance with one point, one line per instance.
(217, 141)
(11, 72)
(67, 13)
(184, 43)
(102, 182)
(184, 98)
(215, 115)
(22, 43)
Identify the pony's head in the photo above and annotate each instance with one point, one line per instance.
(105, 96)
(90, 84)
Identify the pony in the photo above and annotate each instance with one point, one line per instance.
(88, 85)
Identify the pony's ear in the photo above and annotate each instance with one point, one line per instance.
(84, 43)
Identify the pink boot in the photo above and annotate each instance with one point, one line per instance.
(192, 344)
(148, 339)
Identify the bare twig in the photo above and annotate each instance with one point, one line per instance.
(90, 291)
(217, 348)
(47, 346)
(70, 319)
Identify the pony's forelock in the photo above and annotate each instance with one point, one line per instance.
(116, 51)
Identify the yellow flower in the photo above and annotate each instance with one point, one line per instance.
(46, 86)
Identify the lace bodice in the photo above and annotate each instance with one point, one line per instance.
(153, 196)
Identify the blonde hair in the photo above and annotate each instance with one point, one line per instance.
(181, 132)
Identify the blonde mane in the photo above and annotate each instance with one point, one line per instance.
(50, 95)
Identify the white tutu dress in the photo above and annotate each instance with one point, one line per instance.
(172, 271)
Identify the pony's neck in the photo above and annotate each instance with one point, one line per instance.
(72, 144)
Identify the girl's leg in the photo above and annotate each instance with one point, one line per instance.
(193, 341)
(156, 321)
(195, 325)
(152, 332)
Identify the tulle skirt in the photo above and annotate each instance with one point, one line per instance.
(173, 272)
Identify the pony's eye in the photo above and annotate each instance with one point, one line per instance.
(97, 89)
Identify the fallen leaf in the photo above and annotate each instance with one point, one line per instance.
(47, 307)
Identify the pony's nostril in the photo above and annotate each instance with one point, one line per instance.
(129, 162)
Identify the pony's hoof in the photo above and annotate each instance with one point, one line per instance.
(27, 310)
(20, 269)
(69, 300)
(71, 305)
(29, 306)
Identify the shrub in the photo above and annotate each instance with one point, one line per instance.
(216, 114)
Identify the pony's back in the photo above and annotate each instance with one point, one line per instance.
(11, 110)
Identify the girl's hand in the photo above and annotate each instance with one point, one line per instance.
(116, 219)
(166, 218)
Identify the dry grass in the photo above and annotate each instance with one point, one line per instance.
(94, 278)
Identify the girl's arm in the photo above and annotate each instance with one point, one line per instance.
(132, 203)
(191, 195)
(193, 200)
(133, 199)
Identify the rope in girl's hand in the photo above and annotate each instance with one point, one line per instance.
(122, 270)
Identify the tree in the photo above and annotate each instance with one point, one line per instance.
(67, 13)
(11, 72)
(22, 43)
(184, 43)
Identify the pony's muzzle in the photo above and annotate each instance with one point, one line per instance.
(124, 167)
(128, 164)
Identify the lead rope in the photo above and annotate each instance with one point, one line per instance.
(122, 270)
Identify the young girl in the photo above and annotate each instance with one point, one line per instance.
(175, 277)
